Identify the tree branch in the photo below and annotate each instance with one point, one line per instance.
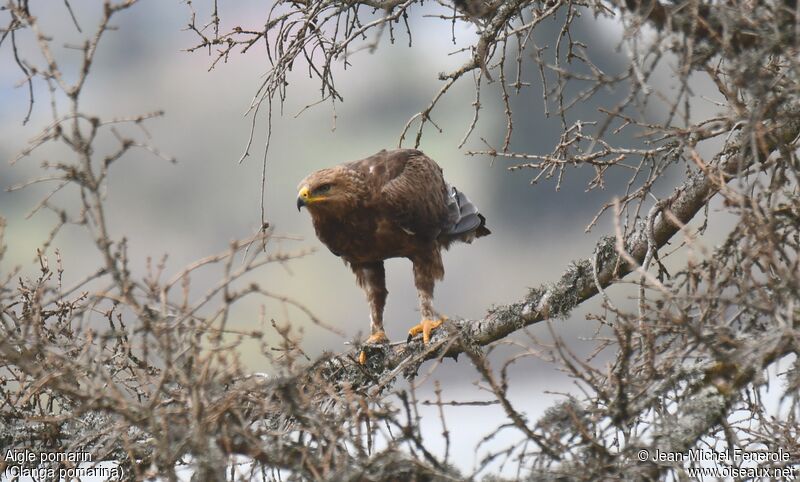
(577, 284)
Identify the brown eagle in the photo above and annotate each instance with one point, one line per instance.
(389, 205)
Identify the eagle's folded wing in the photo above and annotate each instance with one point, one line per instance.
(416, 198)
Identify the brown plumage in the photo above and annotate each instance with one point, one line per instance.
(391, 204)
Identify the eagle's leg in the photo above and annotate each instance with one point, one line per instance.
(426, 271)
(372, 277)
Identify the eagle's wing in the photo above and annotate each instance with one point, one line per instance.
(408, 187)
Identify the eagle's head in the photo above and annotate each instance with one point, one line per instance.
(336, 188)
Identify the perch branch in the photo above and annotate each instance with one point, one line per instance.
(581, 280)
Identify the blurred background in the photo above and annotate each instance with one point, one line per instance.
(196, 206)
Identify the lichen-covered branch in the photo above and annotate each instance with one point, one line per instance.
(579, 281)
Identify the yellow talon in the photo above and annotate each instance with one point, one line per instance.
(376, 338)
(425, 327)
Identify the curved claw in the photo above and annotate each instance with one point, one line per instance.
(425, 327)
(377, 338)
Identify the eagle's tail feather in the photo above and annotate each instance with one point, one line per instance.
(467, 222)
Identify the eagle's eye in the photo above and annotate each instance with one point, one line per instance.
(322, 189)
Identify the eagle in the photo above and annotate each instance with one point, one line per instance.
(392, 204)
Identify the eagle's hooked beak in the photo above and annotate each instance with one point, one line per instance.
(302, 197)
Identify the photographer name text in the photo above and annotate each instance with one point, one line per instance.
(728, 456)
